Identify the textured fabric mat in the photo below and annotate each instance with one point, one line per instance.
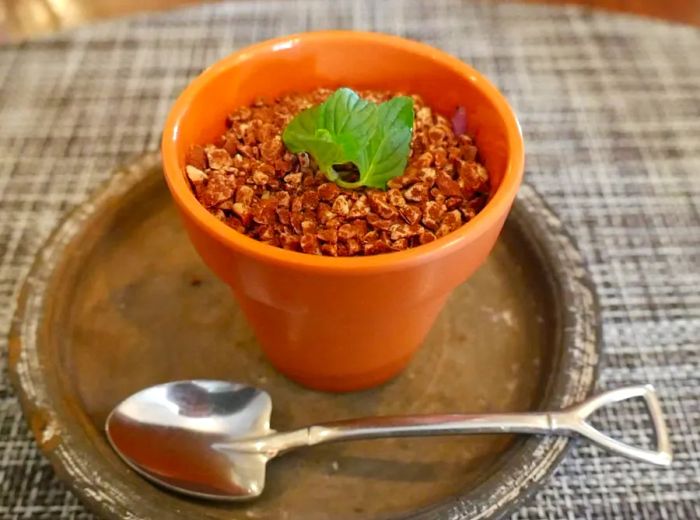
(610, 108)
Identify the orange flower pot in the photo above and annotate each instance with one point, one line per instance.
(329, 323)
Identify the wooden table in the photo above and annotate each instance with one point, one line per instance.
(20, 19)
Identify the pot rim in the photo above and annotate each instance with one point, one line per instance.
(487, 218)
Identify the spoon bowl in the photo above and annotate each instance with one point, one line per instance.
(173, 434)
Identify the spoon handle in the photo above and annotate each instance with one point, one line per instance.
(569, 421)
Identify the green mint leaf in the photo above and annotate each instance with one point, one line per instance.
(386, 154)
(303, 135)
(333, 131)
(346, 113)
(348, 129)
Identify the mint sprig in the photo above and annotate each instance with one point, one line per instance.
(348, 129)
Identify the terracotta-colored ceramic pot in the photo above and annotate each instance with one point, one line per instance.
(343, 323)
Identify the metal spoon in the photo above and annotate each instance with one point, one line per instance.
(212, 439)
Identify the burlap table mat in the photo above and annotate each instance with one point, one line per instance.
(610, 108)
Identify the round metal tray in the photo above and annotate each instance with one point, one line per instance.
(117, 300)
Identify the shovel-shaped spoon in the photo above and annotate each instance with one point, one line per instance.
(212, 439)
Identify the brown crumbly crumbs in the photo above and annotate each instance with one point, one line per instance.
(250, 181)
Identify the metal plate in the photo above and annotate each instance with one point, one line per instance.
(118, 300)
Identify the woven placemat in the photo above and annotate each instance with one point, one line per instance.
(610, 108)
